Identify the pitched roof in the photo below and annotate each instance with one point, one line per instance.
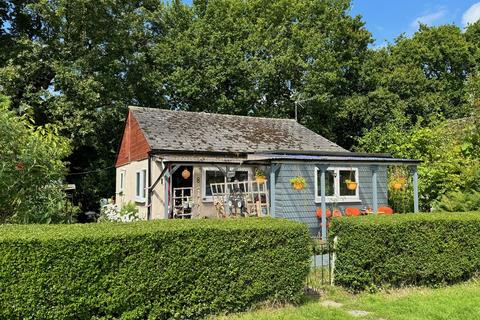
(168, 130)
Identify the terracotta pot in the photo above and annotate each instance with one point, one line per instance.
(352, 185)
(298, 185)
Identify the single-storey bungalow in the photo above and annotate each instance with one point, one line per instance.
(178, 164)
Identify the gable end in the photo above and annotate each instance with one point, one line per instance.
(134, 145)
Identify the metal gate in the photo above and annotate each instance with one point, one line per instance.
(322, 266)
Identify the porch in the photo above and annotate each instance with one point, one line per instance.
(236, 191)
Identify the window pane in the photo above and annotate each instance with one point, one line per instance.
(240, 176)
(137, 185)
(329, 183)
(144, 183)
(212, 176)
(346, 175)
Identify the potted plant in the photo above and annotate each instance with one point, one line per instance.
(350, 182)
(260, 176)
(298, 183)
(351, 185)
(398, 180)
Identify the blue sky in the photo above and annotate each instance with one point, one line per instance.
(387, 19)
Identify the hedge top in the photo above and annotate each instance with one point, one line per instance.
(411, 217)
(98, 230)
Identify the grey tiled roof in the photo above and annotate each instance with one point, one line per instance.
(198, 131)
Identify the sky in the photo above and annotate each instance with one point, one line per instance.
(387, 19)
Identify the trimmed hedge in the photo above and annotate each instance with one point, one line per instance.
(181, 269)
(401, 250)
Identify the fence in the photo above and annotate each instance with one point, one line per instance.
(322, 266)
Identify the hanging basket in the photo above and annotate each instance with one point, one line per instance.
(351, 185)
(298, 186)
(298, 183)
(399, 183)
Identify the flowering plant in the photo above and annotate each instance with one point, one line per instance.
(112, 212)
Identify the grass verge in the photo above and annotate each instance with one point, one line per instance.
(459, 301)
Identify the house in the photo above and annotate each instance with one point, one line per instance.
(175, 163)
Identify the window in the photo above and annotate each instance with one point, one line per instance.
(122, 181)
(214, 175)
(335, 185)
(140, 185)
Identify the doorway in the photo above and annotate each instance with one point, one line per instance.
(182, 193)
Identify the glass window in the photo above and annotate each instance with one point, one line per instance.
(240, 176)
(344, 176)
(137, 184)
(140, 185)
(144, 183)
(212, 176)
(336, 186)
(122, 180)
(329, 184)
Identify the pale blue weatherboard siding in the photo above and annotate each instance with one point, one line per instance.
(299, 205)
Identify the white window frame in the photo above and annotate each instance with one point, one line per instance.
(203, 185)
(143, 181)
(121, 187)
(336, 186)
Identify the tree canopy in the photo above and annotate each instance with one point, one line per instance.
(78, 64)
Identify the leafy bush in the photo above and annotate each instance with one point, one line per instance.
(112, 212)
(401, 250)
(449, 151)
(31, 171)
(459, 202)
(182, 269)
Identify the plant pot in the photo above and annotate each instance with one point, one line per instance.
(298, 185)
(352, 185)
(260, 179)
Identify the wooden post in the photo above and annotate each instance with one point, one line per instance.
(166, 178)
(374, 189)
(166, 184)
(273, 170)
(415, 190)
(323, 170)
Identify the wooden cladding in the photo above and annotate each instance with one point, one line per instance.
(134, 145)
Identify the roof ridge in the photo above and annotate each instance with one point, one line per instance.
(214, 114)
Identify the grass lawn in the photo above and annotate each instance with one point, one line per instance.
(460, 302)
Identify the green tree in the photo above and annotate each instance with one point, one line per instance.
(31, 171)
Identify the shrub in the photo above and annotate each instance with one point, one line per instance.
(111, 212)
(182, 269)
(458, 202)
(31, 169)
(402, 250)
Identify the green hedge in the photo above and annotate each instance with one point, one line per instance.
(401, 250)
(157, 270)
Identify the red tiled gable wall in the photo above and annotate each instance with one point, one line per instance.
(134, 145)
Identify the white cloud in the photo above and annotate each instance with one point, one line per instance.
(429, 18)
(472, 14)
